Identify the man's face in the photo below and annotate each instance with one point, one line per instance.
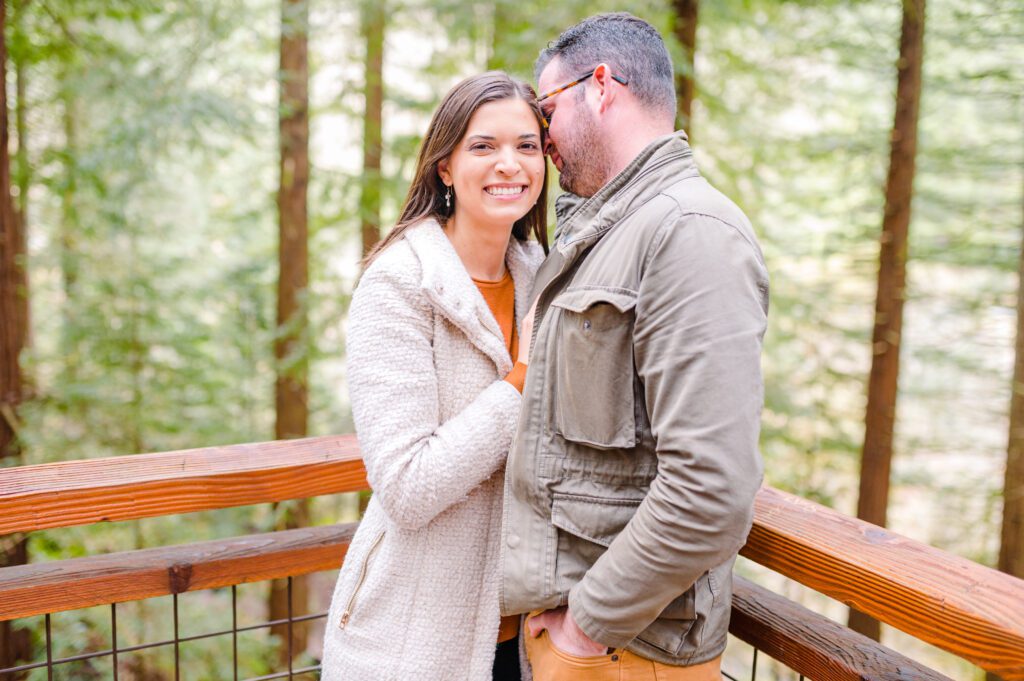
(574, 140)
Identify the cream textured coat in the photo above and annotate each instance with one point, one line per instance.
(417, 597)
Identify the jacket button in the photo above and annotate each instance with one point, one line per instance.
(586, 325)
(513, 541)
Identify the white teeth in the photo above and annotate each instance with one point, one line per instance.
(505, 191)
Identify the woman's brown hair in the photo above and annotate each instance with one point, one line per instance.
(447, 128)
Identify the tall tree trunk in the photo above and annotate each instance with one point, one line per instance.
(24, 177)
(499, 29)
(369, 201)
(291, 391)
(14, 643)
(68, 241)
(1011, 540)
(876, 457)
(684, 25)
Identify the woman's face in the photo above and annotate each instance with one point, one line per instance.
(497, 170)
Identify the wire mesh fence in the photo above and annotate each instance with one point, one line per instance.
(176, 657)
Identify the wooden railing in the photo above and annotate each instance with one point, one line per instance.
(967, 609)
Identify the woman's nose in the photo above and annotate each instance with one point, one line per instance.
(507, 164)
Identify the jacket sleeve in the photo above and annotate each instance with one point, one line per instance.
(700, 319)
(416, 465)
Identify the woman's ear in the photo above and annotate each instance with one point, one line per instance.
(444, 172)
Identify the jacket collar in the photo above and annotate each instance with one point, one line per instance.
(449, 288)
(581, 221)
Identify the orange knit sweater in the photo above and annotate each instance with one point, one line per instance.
(500, 297)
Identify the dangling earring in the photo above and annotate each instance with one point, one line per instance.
(448, 198)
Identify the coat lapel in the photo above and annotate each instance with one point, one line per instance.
(449, 288)
(522, 269)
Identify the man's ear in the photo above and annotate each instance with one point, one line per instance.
(605, 86)
(444, 172)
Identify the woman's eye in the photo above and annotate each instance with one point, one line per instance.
(479, 147)
(529, 146)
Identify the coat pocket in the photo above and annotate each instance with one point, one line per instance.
(669, 632)
(586, 527)
(593, 372)
(364, 569)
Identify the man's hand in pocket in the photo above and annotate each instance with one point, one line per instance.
(565, 633)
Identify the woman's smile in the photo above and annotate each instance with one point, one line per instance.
(506, 191)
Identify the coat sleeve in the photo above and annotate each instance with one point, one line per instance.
(700, 319)
(416, 465)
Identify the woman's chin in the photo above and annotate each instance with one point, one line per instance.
(506, 215)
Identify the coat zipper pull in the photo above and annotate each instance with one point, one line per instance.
(344, 619)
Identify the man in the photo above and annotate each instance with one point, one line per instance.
(631, 481)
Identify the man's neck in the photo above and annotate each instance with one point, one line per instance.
(629, 147)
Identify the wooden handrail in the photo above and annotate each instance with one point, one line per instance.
(910, 585)
(90, 491)
(813, 645)
(804, 641)
(36, 589)
(960, 606)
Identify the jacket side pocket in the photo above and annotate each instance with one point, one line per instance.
(586, 527)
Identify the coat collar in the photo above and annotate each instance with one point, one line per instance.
(581, 221)
(449, 288)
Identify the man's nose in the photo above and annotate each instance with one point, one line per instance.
(549, 146)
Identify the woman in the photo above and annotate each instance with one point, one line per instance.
(433, 328)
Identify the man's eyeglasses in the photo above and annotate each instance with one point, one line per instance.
(557, 90)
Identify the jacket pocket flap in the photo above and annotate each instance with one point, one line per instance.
(592, 518)
(578, 300)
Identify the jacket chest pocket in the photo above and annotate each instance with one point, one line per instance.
(594, 378)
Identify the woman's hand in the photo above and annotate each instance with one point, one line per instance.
(526, 335)
(565, 634)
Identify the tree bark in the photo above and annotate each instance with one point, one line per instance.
(1011, 540)
(499, 28)
(290, 351)
(684, 25)
(68, 241)
(876, 456)
(24, 177)
(373, 22)
(14, 643)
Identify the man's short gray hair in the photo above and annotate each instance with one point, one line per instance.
(630, 45)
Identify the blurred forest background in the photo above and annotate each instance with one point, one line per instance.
(192, 184)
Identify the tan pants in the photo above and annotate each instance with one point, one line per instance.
(551, 664)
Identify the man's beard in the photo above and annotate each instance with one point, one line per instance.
(584, 158)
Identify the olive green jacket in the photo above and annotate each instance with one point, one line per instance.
(630, 484)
